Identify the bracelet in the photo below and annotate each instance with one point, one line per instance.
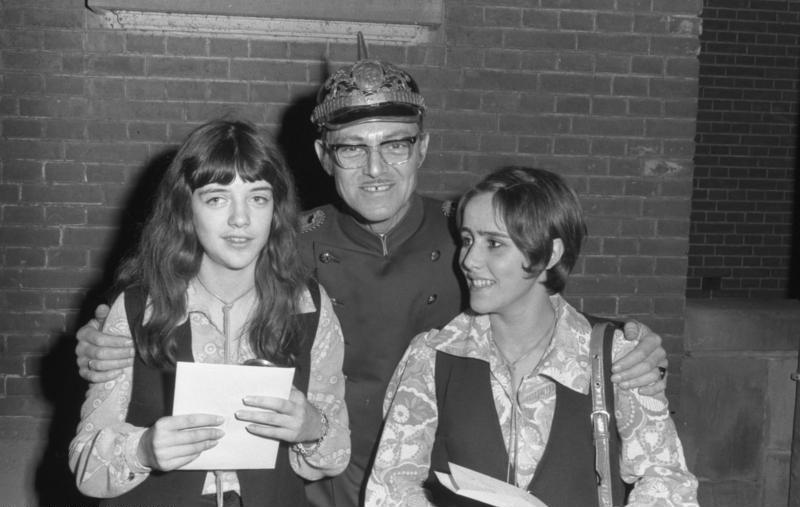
(306, 451)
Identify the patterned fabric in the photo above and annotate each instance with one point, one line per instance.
(103, 453)
(652, 455)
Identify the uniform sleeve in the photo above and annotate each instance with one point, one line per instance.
(403, 459)
(652, 455)
(326, 391)
(103, 453)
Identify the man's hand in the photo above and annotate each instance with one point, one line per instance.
(645, 366)
(176, 440)
(102, 357)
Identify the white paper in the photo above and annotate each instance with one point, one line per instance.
(219, 389)
(477, 486)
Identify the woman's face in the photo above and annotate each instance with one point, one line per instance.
(492, 264)
(233, 222)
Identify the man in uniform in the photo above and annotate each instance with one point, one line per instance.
(385, 255)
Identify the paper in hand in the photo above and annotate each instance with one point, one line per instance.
(477, 486)
(219, 389)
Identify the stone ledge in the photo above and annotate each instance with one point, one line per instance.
(742, 324)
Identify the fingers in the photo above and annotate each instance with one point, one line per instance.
(174, 441)
(101, 312)
(655, 388)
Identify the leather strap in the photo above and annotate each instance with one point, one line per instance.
(600, 418)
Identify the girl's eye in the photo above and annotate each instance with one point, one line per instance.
(494, 244)
(214, 200)
(466, 241)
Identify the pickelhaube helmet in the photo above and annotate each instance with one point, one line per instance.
(368, 90)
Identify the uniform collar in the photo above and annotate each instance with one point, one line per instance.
(370, 241)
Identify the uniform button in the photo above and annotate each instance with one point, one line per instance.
(326, 257)
(435, 255)
(431, 299)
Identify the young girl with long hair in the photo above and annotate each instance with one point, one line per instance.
(216, 279)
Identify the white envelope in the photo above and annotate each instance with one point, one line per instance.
(477, 486)
(219, 389)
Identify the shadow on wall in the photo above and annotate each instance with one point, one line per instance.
(62, 388)
(296, 141)
(794, 259)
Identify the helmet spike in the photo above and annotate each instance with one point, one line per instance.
(362, 47)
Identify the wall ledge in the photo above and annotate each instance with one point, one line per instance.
(262, 27)
(742, 324)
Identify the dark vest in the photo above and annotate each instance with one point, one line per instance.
(151, 398)
(469, 435)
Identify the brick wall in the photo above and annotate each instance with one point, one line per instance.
(744, 184)
(601, 91)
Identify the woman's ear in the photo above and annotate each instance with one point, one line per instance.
(558, 252)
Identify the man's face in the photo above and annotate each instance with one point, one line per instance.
(378, 190)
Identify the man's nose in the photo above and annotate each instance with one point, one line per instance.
(375, 162)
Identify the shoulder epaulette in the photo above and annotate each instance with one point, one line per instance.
(311, 220)
(449, 208)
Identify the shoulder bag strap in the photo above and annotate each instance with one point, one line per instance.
(600, 418)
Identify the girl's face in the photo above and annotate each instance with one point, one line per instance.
(493, 265)
(232, 222)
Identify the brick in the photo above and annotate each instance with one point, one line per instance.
(55, 18)
(28, 236)
(48, 278)
(540, 19)
(277, 49)
(228, 47)
(64, 128)
(26, 60)
(27, 38)
(637, 266)
(89, 237)
(66, 257)
(25, 406)
(22, 128)
(265, 70)
(540, 125)
(22, 83)
(104, 152)
(65, 172)
(116, 65)
(104, 42)
(13, 215)
(62, 193)
(580, 21)
(145, 43)
(576, 62)
(224, 91)
(535, 40)
(614, 43)
(195, 68)
(23, 386)
(145, 131)
(24, 257)
(593, 85)
(71, 107)
(107, 131)
(64, 300)
(65, 215)
(186, 90)
(187, 46)
(18, 345)
(65, 85)
(25, 171)
(499, 59)
(106, 88)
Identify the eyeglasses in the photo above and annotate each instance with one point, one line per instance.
(356, 156)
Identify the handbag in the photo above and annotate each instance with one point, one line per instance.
(600, 418)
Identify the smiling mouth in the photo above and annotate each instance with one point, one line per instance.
(376, 187)
(480, 283)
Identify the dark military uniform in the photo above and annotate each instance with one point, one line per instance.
(385, 290)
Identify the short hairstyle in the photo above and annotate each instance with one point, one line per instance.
(169, 253)
(536, 206)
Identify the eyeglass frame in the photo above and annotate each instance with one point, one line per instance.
(332, 148)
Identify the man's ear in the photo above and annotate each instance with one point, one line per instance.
(558, 252)
(324, 160)
(423, 146)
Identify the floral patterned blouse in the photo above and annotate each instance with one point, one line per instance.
(651, 453)
(103, 453)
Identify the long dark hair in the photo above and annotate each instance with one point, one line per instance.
(169, 253)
